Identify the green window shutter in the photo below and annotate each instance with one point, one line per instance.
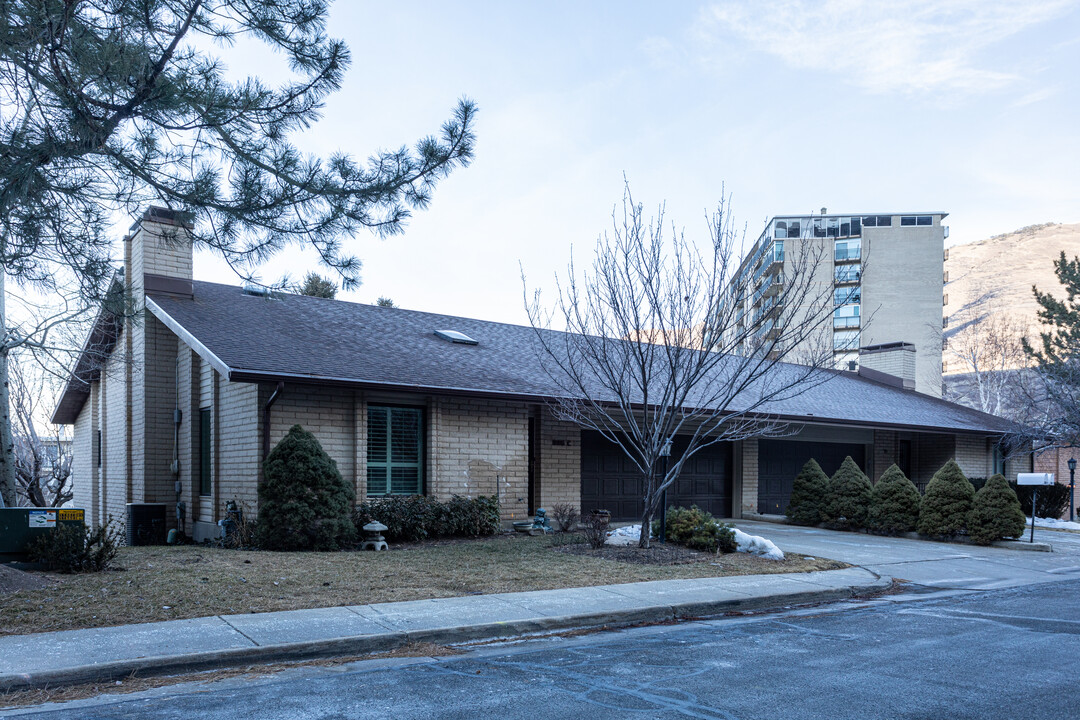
(204, 451)
(395, 451)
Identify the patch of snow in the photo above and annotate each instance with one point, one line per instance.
(1054, 523)
(757, 545)
(746, 543)
(628, 535)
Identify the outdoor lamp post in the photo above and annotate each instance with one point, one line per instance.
(665, 452)
(1072, 485)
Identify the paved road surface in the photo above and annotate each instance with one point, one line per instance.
(1006, 653)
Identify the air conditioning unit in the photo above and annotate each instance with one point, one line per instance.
(146, 523)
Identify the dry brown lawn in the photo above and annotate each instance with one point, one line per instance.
(170, 583)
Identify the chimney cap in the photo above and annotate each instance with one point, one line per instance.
(824, 210)
(164, 216)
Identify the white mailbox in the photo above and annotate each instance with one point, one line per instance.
(1035, 478)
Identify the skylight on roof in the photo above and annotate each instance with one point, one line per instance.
(455, 337)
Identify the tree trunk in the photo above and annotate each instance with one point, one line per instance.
(7, 442)
(646, 528)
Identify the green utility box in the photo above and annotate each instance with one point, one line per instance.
(22, 525)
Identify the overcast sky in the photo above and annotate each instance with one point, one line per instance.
(968, 107)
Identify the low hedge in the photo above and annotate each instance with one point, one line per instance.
(1053, 500)
(409, 518)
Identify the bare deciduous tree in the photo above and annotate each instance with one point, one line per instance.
(983, 346)
(42, 460)
(659, 343)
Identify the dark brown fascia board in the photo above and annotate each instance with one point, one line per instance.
(190, 340)
(255, 376)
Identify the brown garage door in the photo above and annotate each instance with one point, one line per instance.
(779, 461)
(611, 482)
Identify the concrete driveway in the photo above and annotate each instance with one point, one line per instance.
(933, 564)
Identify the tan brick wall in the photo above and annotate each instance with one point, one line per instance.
(973, 455)
(114, 471)
(479, 447)
(327, 413)
(82, 461)
(558, 448)
(749, 503)
(237, 445)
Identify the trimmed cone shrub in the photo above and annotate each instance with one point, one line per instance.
(947, 503)
(304, 504)
(808, 494)
(894, 503)
(848, 498)
(995, 513)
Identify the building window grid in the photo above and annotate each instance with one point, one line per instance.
(395, 450)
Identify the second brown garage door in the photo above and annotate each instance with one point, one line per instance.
(611, 482)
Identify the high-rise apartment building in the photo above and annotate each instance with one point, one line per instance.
(886, 276)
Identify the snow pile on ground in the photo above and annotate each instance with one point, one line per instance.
(757, 545)
(1054, 523)
(628, 535)
(752, 544)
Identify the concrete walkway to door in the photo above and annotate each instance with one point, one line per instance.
(933, 564)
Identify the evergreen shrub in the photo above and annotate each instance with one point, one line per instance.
(947, 503)
(995, 513)
(808, 494)
(847, 500)
(78, 548)
(697, 529)
(894, 503)
(410, 518)
(304, 503)
(1052, 500)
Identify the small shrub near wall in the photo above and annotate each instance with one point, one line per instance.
(565, 516)
(995, 513)
(697, 529)
(409, 518)
(808, 494)
(76, 548)
(848, 498)
(947, 503)
(894, 503)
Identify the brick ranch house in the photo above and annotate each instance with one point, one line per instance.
(197, 388)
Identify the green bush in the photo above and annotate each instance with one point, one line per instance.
(76, 548)
(410, 518)
(304, 503)
(977, 483)
(1053, 500)
(848, 498)
(808, 494)
(946, 505)
(995, 513)
(697, 529)
(894, 503)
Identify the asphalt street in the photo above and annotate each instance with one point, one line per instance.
(1007, 653)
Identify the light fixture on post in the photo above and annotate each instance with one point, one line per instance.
(1072, 485)
(665, 453)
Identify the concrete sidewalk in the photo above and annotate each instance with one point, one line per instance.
(226, 640)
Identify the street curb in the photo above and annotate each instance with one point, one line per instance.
(382, 642)
(1023, 545)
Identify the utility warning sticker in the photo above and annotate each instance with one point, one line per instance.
(42, 518)
(71, 514)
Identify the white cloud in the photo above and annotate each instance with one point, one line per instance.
(903, 45)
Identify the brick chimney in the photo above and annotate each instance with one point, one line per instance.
(889, 363)
(158, 254)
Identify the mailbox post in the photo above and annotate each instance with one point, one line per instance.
(1035, 480)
